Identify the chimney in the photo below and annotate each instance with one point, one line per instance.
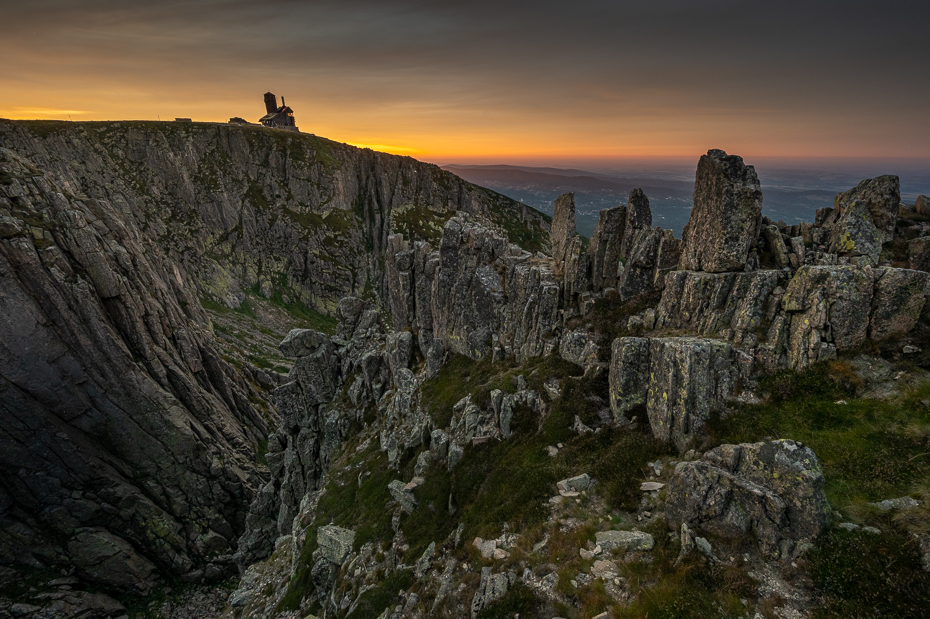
(282, 101)
(271, 103)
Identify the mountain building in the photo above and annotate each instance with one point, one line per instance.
(278, 117)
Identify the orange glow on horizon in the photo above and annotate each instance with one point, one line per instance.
(456, 136)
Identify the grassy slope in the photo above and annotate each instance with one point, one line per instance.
(870, 450)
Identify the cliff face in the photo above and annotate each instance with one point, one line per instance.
(391, 471)
(244, 209)
(128, 445)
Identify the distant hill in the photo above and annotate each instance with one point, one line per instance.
(670, 199)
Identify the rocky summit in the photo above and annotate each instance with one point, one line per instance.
(254, 373)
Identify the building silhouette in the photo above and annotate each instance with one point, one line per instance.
(278, 117)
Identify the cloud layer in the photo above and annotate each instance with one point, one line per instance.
(477, 80)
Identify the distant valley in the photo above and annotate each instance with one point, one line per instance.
(670, 198)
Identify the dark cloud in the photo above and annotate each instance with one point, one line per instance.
(827, 67)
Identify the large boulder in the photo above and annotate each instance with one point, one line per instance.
(604, 249)
(491, 587)
(829, 310)
(864, 218)
(624, 540)
(579, 348)
(690, 379)
(725, 217)
(897, 301)
(629, 375)
(771, 490)
(922, 205)
(335, 543)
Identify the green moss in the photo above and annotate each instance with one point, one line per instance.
(865, 446)
(305, 317)
(419, 223)
(261, 451)
(518, 601)
(374, 601)
(458, 377)
(44, 128)
(530, 232)
(863, 575)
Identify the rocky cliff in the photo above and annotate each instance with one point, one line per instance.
(490, 427)
(379, 531)
(130, 445)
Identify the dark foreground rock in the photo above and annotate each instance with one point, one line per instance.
(771, 491)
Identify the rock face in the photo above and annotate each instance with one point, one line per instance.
(863, 218)
(474, 313)
(725, 215)
(127, 441)
(690, 379)
(731, 306)
(773, 491)
(897, 301)
(563, 226)
(638, 220)
(118, 413)
(681, 380)
(605, 246)
(313, 419)
(640, 270)
(629, 375)
(240, 208)
(829, 311)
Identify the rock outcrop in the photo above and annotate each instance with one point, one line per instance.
(863, 218)
(772, 491)
(563, 227)
(315, 418)
(490, 295)
(638, 220)
(128, 442)
(241, 210)
(605, 247)
(725, 215)
(681, 380)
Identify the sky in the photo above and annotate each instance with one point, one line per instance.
(478, 81)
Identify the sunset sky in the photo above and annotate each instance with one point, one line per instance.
(480, 81)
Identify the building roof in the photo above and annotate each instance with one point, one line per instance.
(281, 110)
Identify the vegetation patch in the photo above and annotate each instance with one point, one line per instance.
(419, 223)
(529, 233)
(519, 601)
(864, 575)
(870, 450)
(373, 602)
(507, 483)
